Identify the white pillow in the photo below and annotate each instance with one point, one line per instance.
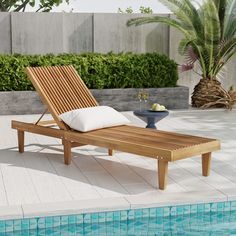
(92, 118)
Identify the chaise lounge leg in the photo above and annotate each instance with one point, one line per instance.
(67, 152)
(111, 152)
(162, 173)
(206, 163)
(21, 140)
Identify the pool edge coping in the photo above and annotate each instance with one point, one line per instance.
(105, 204)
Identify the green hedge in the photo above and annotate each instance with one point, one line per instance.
(99, 71)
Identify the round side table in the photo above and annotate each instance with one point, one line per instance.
(151, 117)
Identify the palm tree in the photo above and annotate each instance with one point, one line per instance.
(209, 42)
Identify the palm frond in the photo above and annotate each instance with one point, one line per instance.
(158, 19)
(190, 55)
(209, 32)
(230, 19)
(183, 45)
(212, 33)
(221, 6)
(186, 13)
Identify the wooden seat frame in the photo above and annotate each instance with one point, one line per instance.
(61, 89)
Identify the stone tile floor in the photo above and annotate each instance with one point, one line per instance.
(37, 182)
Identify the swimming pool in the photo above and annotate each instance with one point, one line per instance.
(198, 219)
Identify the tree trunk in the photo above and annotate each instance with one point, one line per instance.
(210, 93)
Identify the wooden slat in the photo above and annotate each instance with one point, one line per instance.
(47, 122)
(79, 86)
(161, 134)
(212, 145)
(120, 145)
(61, 89)
(47, 101)
(167, 139)
(139, 139)
(37, 129)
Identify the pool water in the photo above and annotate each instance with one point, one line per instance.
(202, 219)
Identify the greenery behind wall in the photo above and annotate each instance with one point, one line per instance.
(99, 71)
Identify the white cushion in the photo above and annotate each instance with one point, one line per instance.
(92, 118)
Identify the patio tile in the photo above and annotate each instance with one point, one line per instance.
(75, 207)
(39, 181)
(153, 199)
(10, 212)
(138, 188)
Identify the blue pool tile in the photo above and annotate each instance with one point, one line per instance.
(116, 216)
(123, 215)
(79, 219)
(64, 220)
(17, 225)
(42, 232)
(187, 209)
(233, 206)
(2, 226)
(173, 210)
(9, 224)
(145, 212)
(49, 222)
(33, 223)
(101, 217)
(72, 229)
(220, 206)
(131, 214)
(87, 218)
(193, 209)
(109, 216)
(152, 212)
(159, 212)
(227, 206)
(166, 211)
(200, 208)
(179, 210)
(138, 213)
(41, 223)
(56, 221)
(207, 207)
(72, 219)
(214, 207)
(95, 217)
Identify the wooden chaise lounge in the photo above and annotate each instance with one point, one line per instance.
(61, 89)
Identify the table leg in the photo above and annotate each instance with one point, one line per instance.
(151, 123)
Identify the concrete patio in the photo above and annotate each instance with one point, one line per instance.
(38, 183)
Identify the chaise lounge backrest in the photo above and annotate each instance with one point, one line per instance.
(61, 89)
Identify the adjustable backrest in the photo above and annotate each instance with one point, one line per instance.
(61, 89)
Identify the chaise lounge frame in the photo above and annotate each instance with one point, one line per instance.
(61, 89)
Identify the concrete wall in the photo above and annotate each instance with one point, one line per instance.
(42, 33)
(28, 102)
(5, 32)
(77, 32)
(112, 34)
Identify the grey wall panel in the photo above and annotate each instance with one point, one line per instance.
(112, 34)
(5, 32)
(77, 32)
(37, 33)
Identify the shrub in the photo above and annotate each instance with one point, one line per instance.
(98, 71)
